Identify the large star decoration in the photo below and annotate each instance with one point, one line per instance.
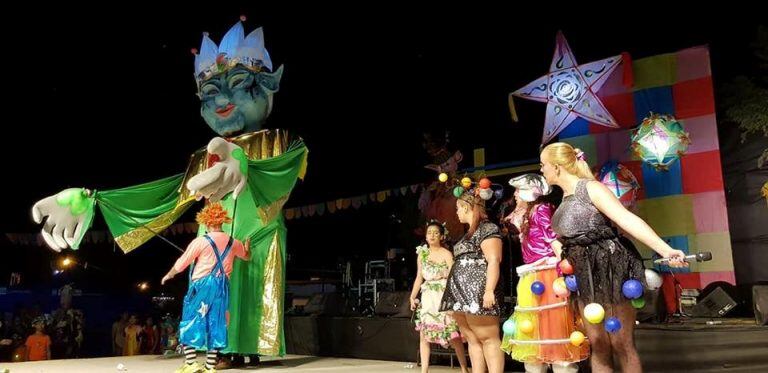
(569, 90)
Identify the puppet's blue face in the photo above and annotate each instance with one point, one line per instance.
(238, 100)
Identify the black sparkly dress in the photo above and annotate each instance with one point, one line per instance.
(465, 287)
(602, 260)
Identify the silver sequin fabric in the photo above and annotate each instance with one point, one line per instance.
(576, 214)
(602, 259)
(466, 283)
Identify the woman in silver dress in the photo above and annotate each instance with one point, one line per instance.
(584, 223)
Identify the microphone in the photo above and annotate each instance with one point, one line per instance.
(703, 256)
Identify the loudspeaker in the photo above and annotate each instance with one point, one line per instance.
(655, 308)
(715, 303)
(393, 304)
(324, 304)
(760, 303)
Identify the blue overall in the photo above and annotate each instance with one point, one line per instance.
(203, 319)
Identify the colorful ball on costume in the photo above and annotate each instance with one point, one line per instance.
(443, 177)
(486, 194)
(653, 279)
(612, 325)
(526, 326)
(466, 182)
(577, 338)
(485, 183)
(565, 267)
(509, 327)
(560, 288)
(638, 303)
(570, 282)
(537, 288)
(594, 313)
(632, 289)
(458, 191)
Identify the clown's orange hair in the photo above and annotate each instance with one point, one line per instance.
(213, 215)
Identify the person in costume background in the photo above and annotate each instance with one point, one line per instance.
(532, 217)
(436, 201)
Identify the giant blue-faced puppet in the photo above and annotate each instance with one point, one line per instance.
(235, 81)
(250, 170)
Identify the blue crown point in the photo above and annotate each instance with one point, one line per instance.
(234, 49)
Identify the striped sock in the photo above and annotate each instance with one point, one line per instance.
(189, 355)
(210, 360)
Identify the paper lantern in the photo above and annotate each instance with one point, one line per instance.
(660, 140)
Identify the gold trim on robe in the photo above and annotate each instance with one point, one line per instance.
(272, 308)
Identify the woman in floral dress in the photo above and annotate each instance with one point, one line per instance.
(434, 263)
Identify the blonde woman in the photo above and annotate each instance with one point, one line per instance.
(584, 225)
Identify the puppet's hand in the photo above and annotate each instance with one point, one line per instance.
(229, 174)
(64, 214)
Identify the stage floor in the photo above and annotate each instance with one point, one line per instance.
(727, 345)
(152, 364)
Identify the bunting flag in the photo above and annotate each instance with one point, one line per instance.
(319, 209)
(97, 236)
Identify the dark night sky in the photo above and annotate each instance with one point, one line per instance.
(360, 86)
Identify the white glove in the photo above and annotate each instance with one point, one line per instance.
(64, 220)
(223, 177)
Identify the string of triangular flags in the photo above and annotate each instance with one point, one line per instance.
(332, 206)
(316, 209)
(95, 236)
